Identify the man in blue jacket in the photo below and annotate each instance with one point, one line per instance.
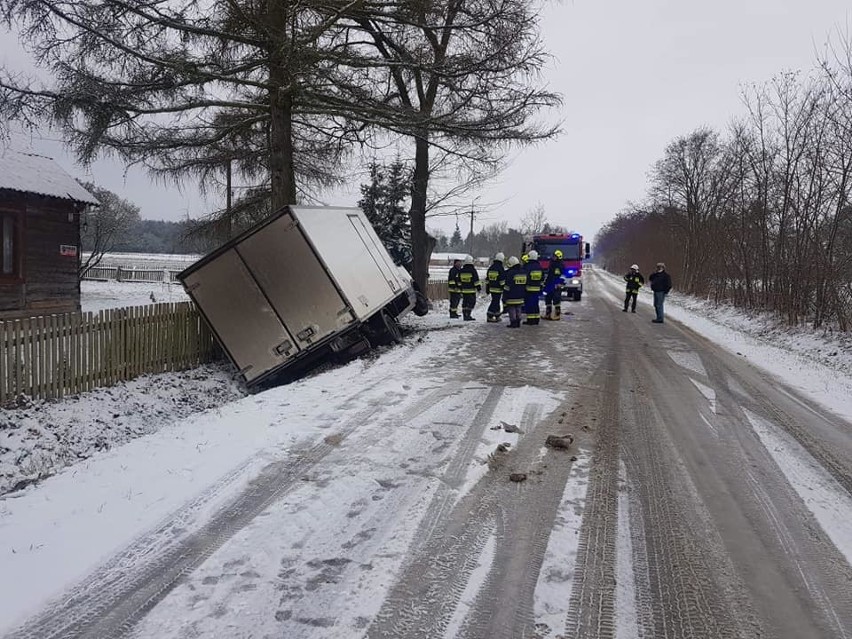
(661, 284)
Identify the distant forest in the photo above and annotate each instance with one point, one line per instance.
(160, 236)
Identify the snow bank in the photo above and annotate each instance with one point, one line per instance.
(40, 438)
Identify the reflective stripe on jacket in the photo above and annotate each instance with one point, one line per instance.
(634, 282)
(496, 278)
(453, 285)
(535, 277)
(469, 279)
(516, 286)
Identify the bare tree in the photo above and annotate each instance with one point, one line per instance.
(460, 77)
(103, 226)
(534, 220)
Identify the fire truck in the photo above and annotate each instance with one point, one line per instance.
(574, 251)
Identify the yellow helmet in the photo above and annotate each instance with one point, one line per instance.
(557, 254)
(525, 258)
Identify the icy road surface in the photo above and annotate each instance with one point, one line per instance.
(702, 498)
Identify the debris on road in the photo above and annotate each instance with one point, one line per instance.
(510, 428)
(559, 441)
(518, 477)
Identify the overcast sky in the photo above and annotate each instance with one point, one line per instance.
(634, 75)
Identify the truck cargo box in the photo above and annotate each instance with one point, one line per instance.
(304, 279)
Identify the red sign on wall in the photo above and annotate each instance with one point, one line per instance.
(67, 250)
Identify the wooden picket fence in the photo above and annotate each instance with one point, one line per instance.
(436, 290)
(57, 355)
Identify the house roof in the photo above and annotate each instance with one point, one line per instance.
(31, 173)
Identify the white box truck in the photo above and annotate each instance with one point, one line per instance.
(305, 283)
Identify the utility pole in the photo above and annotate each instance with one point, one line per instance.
(470, 237)
(228, 196)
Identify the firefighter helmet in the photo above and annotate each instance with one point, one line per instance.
(557, 254)
(499, 257)
(468, 260)
(533, 255)
(513, 261)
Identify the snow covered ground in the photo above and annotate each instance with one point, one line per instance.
(187, 461)
(98, 296)
(80, 517)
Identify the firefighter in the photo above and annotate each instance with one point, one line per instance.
(469, 282)
(553, 288)
(514, 290)
(634, 281)
(494, 286)
(535, 281)
(454, 288)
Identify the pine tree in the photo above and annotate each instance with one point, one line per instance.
(456, 242)
(383, 201)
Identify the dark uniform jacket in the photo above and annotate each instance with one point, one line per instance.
(634, 281)
(535, 276)
(453, 284)
(554, 275)
(469, 279)
(496, 278)
(516, 286)
(660, 281)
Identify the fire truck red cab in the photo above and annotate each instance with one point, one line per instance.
(574, 251)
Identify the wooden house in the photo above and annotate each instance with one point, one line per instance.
(40, 207)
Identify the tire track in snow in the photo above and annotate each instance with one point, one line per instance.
(117, 596)
(446, 552)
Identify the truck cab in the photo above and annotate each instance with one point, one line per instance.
(574, 251)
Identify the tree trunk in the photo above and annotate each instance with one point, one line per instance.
(421, 242)
(281, 172)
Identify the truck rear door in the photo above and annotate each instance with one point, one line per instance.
(295, 282)
(224, 289)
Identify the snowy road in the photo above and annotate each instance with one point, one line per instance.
(701, 498)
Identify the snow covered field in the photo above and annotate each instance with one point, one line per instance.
(97, 296)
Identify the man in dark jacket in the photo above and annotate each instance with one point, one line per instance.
(514, 291)
(634, 281)
(494, 286)
(469, 281)
(661, 284)
(454, 288)
(553, 288)
(535, 282)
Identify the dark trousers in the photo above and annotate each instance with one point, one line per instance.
(553, 301)
(455, 298)
(659, 301)
(468, 302)
(531, 308)
(514, 311)
(494, 306)
(630, 295)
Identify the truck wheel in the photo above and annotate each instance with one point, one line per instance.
(421, 306)
(385, 330)
(578, 295)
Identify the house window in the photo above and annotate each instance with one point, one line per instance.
(9, 245)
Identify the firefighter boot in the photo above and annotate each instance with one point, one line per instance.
(467, 315)
(557, 313)
(454, 314)
(548, 312)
